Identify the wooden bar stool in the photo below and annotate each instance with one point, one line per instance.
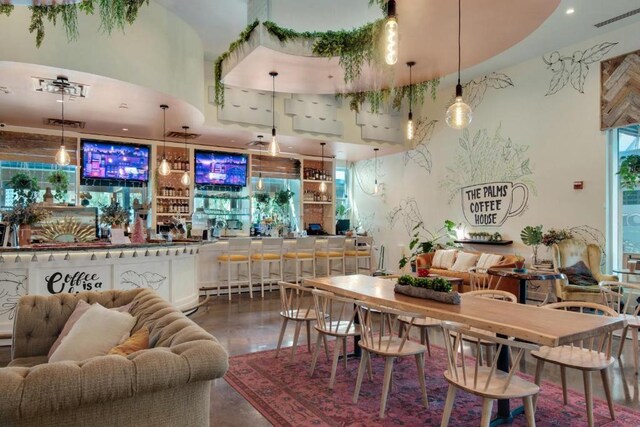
(304, 252)
(333, 250)
(238, 253)
(270, 253)
(360, 250)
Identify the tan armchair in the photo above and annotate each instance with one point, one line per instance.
(569, 252)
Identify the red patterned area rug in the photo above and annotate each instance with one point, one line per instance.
(284, 393)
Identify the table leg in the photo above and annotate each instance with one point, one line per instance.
(522, 298)
(505, 414)
(357, 351)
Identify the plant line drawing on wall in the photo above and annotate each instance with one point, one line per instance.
(574, 69)
(147, 279)
(408, 213)
(474, 91)
(486, 158)
(365, 173)
(12, 288)
(420, 153)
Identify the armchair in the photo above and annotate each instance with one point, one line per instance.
(569, 252)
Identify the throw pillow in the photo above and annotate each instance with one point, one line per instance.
(81, 307)
(579, 274)
(94, 334)
(464, 262)
(138, 341)
(444, 258)
(488, 261)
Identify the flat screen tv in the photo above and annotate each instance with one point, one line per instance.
(111, 161)
(218, 168)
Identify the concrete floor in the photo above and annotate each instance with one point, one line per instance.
(246, 325)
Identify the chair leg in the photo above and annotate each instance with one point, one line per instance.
(363, 364)
(426, 340)
(308, 324)
(623, 339)
(423, 385)
(295, 341)
(334, 365)
(539, 367)
(586, 376)
(563, 379)
(487, 406)
(448, 405)
(344, 352)
(386, 385)
(314, 360)
(634, 340)
(262, 277)
(529, 411)
(606, 384)
(284, 327)
(229, 280)
(326, 347)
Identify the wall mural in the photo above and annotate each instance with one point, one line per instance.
(421, 154)
(575, 68)
(147, 279)
(620, 91)
(492, 174)
(408, 213)
(365, 175)
(12, 287)
(474, 91)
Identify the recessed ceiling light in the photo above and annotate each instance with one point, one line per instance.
(233, 140)
(125, 129)
(289, 148)
(570, 11)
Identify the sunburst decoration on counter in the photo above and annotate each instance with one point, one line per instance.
(70, 227)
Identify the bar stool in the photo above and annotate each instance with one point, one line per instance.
(305, 251)
(360, 249)
(270, 253)
(238, 253)
(333, 250)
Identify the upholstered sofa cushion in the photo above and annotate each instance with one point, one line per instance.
(444, 258)
(464, 261)
(579, 275)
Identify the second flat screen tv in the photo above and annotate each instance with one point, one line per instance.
(105, 160)
(218, 168)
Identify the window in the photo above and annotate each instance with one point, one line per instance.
(263, 213)
(40, 171)
(343, 203)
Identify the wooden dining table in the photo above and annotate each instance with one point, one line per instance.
(525, 322)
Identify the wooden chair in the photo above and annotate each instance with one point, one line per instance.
(335, 318)
(238, 254)
(424, 324)
(360, 250)
(270, 254)
(333, 250)
(297, 305)
(304, 252)
(589, 355)
(487, 382)
(623, 299)
(376, 341)
(480, 280)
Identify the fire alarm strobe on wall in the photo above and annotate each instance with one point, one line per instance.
(578, 185)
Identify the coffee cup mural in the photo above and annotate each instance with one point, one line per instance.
(490, 204)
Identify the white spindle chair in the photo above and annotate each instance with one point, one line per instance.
(360, 250)
(270, 253)
(335, 318)
(384, 342)
(304, 252)
(487, 382)
(296, 305)
(623, 299)
(332, 250)
(586, 355)
(480, 280)
(238, 254)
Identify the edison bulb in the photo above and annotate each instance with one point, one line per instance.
(391, 41)
(376, 188)
(274, 147)
(410, 130)
(459, 115)
(62, 156)
(164, 169)
(323, 187)
(186, 179)
(260, 185)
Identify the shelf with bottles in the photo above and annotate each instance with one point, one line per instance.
(309, 196)
(174, 192)
(173, 206)
(173, 198)
(317, 203)
(178, 160)
(311, 174)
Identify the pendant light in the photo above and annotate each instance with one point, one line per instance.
(323, 184)
(459, 115)
(164, 169)
(186, 178)
(260, 185)
(410, 127)
(391, 34)
(62, 156)
(376, 189)
(274, 147)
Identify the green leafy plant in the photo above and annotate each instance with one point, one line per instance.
(437, 284)
(425, 241)
(25, 189)
(532, 236)
(60, 182)
(629, 171)
(342, 211)
(392, 96)
(114, 214)
(281, 199)
(26, 214)
(554, 236)
(6, 9)
(406, 280)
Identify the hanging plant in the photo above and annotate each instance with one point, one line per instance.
(629, 171)
(60, 182)
(394, 96)
(113, 14)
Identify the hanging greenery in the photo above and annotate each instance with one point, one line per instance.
(113, 14)
(393, 96)
(382, 4)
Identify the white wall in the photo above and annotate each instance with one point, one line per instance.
(558, 134)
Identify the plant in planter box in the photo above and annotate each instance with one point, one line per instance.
(532, 236)
(629, 171)
(60, 182)
(114, 215)
(554, 236)
(424, 241)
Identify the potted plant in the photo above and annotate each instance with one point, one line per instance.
(629, 171)
(60, 182)
(25, 189)
(24, 216)
(114, 215)
(85, 198)
(519, 263)
(532, 236)
(438, 288)
(554, 236)
(428, 242)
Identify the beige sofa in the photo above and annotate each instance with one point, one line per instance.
(166, 385)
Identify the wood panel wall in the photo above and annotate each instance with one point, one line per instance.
(29, 147)
(620, 91)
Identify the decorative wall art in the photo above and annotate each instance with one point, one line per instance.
(12, 287)
(575, 68)
(421, 155)
(474, 91)
(492, 175)
(365, 176)
(408, 213)
(620, 91)
(147, 279)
